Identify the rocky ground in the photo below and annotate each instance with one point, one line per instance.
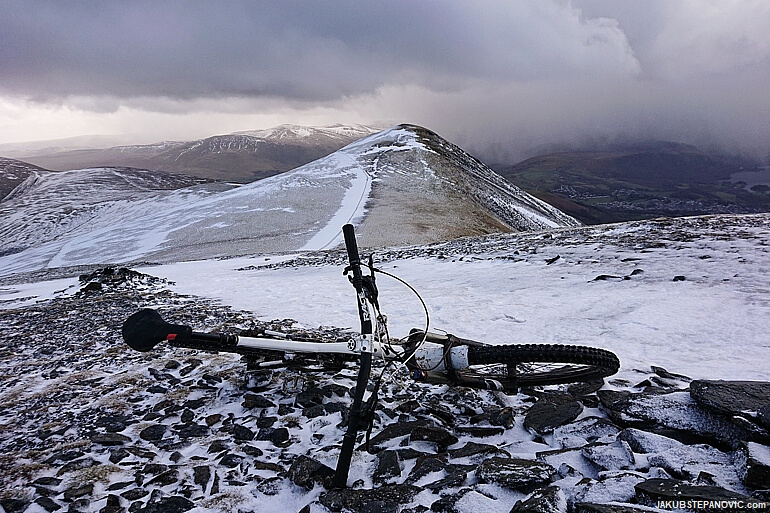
(88, 425)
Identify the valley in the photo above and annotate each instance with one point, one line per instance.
(642, 182)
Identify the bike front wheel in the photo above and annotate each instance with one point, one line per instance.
(509, 367)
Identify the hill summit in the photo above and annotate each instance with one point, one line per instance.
(402, 186)
(432, 190)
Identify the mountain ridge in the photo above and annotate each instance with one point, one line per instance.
(465, 185)
(240, 157)
(401, 186)
(13, 173)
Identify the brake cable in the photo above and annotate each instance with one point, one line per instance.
(447, 346)
(370, 285)
(422, 302)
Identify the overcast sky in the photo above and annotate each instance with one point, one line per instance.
(501, 78)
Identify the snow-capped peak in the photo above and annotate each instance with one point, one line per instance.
(297, 132)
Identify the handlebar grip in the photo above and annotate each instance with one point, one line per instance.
(350, 243)
(146, 328)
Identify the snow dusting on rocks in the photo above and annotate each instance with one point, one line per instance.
(88, 425)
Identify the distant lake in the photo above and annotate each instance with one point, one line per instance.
(752, 178)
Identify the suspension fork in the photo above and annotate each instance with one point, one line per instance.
(355, 419)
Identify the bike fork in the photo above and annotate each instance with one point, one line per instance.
(340, 479)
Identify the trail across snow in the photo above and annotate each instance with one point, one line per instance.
(352, 207)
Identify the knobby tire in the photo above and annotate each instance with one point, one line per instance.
(509, 367)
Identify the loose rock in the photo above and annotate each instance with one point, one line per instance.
(585, 431)
(550, 499)
(307, 472)
(551, 412)
(153, 433)
(614, 456)
(644, 442)
(651, 491)
(514, 473)
(731, 397)
(754, 465)
(357, 500)
(388, 467)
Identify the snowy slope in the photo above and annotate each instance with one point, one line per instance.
(612, 286)
(394, 183)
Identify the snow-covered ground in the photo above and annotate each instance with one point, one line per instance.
(710, 323)
(689, 295)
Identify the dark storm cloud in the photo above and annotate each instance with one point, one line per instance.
(299, 50)
(501, 76)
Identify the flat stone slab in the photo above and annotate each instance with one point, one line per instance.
(611, 488)
(307, 472)
(551, 412)
(572, 458)
(732, 397)
(396, 430)
(674, 410)
(584, 431)
(644, 442)
(755, 465)
(545, 500)
(388, 467)
(357, 500)
(653, 490)
(474, 449)
(614, 456)
(690, 461)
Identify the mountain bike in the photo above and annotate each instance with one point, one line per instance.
(430, 357)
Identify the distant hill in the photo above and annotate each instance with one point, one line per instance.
(401, 186)
(638, 182)
(12, 173)
(240, 157)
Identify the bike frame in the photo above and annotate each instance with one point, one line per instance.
(429, 356)
(355, 419)
(293, 346)
(432, 355)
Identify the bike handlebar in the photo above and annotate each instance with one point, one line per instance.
(350, 243)
(146, 328)
(357, 279)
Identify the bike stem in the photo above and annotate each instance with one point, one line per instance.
(340, 479)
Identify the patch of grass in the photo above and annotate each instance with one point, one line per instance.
(96, 474)
(225, 501)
